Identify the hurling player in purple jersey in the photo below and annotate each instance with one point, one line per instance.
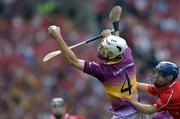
(117, 72)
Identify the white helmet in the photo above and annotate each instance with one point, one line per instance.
(114, 44)
(58, 101)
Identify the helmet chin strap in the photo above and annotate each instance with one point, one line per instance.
(105, 57)
(162, 85)
(110, 58)
(158, 85)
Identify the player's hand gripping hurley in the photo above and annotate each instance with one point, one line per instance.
(114, 17)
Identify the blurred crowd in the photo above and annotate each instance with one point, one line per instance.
(27, 85)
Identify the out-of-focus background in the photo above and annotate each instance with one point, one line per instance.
(27, 85)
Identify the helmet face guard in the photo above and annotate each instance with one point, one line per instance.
(155, 79)
(164, 73)
(103, 52)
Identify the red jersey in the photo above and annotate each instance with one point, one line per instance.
(169, 98)
(67, 116)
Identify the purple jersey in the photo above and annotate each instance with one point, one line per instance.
(118, 80)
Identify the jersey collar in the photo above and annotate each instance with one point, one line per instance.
(114, 62)
(168, 86)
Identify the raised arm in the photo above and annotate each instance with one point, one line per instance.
(54, 32)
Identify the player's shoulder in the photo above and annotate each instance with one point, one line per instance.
(92, 63)
(177, 83)
(128, 49)
(128, 54)
(175, 86)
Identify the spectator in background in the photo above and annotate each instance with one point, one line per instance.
(59, 110)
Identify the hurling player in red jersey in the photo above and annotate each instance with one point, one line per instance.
(166, 86)
(59, 110)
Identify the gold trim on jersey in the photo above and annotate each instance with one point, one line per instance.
(115, 62)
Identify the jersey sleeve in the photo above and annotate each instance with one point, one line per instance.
(94, 69)
(163, 101)
(153, 90)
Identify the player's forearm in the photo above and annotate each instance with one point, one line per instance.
(143, 87)
(145, 108)
(69, 55)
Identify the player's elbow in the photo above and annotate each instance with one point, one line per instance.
(73, 63)
(79, 64)
(72, 59)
